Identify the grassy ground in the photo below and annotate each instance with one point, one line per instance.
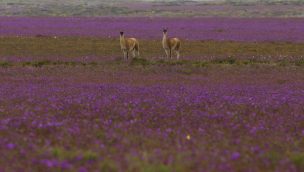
(76, 47)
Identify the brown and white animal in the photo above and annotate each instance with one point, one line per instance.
(128, 45)
(171, 45)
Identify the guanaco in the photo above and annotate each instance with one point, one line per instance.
(128, 45)
(171, 45)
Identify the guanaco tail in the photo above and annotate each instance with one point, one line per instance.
(128, 45)
(171, 45)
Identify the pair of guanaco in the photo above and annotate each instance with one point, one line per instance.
(131, 45)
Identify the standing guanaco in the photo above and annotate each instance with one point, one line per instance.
(128, 45)
(170, 45)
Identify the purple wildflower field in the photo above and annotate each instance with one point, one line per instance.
(74, 119)
(151, 116)
(236, 29)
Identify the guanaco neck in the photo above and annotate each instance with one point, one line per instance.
(122, 42)
(165, 40)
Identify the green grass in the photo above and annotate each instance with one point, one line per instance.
(141, 165)
(5, 64)
(63, 154)
(298, 160)
(108, 165)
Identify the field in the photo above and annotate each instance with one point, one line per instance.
(163, 8)
(234, 102)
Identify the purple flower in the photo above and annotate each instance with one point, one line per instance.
(82, 169)
(235, 156)
(236, 29)
(10, 146)
(49, 163)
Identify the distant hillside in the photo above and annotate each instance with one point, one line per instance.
(205, 8)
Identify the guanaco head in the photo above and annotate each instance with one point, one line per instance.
(165, 30)
(121, 33)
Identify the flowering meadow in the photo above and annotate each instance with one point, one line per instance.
(68, 102)
(157, 119)
(235, 29)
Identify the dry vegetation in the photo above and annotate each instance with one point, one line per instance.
(76, 47)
